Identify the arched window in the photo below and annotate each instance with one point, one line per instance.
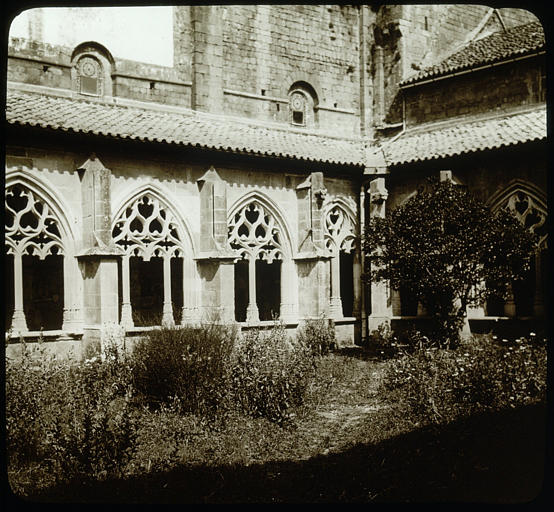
(302, 105)
(153, 265)
(262, 276)
(340, 240)
(91, 69)
(527, 296)
(90, 76)
(35, 267)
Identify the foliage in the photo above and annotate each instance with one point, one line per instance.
(318, 334)
(270, 372)
(76, 419)
(189, 363)
(440, 385)
(441, 245)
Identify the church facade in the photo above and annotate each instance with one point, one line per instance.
(222, 161)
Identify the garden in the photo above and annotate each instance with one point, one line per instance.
(205, 415)
(209, 414)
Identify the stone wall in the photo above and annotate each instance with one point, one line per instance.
(498, 89)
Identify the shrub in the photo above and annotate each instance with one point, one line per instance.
(73, 418)
(440, 385)
(318, 334)
(190, 363)
(270, 372)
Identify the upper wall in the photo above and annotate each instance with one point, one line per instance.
(499, 89)
(417, 36)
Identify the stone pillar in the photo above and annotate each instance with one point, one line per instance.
(19, 322)
(252, 313)
(381, 310)
(126, 308)
(72, 320)
(99, 257)
(207, 58)
(363, 286)
(216, 258)
(167, 311)
(335, 307)
(509, 304)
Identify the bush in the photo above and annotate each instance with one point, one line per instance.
(440, 385)
(270, 372)
(318, 334)
(190, 363)
(73, 418)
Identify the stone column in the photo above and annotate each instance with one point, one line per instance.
(19, 322)
(335, 308)
(72, 320)
(380, 300)
(126, 307)
(167, 311)
(362, 290)
(252, 314)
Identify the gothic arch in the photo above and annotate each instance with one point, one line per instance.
(340, 225)
(266, 203)
(163, 197)
(527, 202)
(42, 190)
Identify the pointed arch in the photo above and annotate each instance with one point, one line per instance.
(341, 229)
(163, 197)
(272, 208)
(40, 188)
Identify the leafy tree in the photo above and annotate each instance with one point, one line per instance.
(441, 246)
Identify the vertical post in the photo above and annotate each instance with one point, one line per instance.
(336, 301)
(363, 312)
(380, 304)
(167, 315)
(252, 314)
(357, 282)
(19, 323)
(190, 292)
(126, 308)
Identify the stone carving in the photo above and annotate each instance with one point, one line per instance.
(30, 226)
(148, 229)
(339, 231)
(253, 232)
(526, 209)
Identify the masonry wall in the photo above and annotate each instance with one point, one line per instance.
(268, 47)
(497, 89)
(417, 36)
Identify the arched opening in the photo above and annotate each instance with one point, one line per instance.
(35, 288)
(262, 287)
(340, 240)
(152, 273)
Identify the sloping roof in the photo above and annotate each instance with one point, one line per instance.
(176, 126)
(514, 42)
(452, 139)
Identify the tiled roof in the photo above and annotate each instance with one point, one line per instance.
(445, 140)
(176, 126)
(514, 42)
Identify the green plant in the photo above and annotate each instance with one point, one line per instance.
(70, 418)
(318, 334)
(440, 246)
(440, 385)
(190, 363)
(270, 372)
